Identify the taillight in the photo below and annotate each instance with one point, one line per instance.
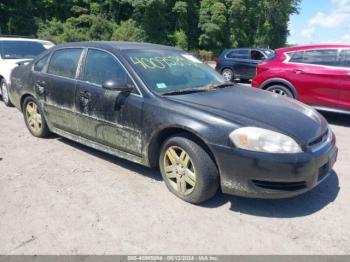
(217, 60)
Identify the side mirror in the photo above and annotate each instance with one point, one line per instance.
(121, 86)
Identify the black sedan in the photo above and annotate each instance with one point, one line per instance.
(159, 106)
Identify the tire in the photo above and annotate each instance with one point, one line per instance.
(281, 90)
(5, 94)
(34, 118)
(228, 74)
(190, 174)
(245, 80)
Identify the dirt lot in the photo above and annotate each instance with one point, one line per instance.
(58, 197)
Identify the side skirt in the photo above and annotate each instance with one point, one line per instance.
(100, 147)
(333, 110)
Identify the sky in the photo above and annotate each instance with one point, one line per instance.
(321, 21)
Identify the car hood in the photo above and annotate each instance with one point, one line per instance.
(253, 107)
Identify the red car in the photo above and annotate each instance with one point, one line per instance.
(318, 75)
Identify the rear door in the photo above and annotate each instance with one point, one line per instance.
(56, 88)
(316, 75)
(344, 84)
(109, 117)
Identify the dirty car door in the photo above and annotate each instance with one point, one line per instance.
(56, 88)
(109, 117)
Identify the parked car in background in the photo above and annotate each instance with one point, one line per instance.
(160, 106)
(318, 75)
(241, 62)
(15, 50)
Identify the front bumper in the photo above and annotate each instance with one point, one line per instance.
(261, 175)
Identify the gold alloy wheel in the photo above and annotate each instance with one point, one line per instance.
(179, 170)
(33, 118)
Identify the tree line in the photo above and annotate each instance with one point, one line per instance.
(189, 24)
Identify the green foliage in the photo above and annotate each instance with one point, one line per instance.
(188, 24)
(180, 39)
(128, 31)
(82, 28)
(213, 23)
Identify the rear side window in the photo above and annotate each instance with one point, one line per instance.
(64, 62)
(39, 65)
(238, 54)
(101, 66)
(296, 57)
(328, 57)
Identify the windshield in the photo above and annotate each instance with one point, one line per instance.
(170, 70)
(269, 53)
(20, 49)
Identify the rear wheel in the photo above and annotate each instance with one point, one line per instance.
(34, 118)
(188, 171)
(228, 74)
(281, 90)
(5, 94)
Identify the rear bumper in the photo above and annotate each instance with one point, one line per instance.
(260, 175)
(256, 81)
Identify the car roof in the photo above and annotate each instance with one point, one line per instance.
(23, 39)
(117, 45)
(310, 47)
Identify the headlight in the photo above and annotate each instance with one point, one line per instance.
(263, 140)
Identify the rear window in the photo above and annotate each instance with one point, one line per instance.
(39, 65)
(20, 49)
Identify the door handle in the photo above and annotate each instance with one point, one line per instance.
(298, 71)
(85, 94)
(40, 87)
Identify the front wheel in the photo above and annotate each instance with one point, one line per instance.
(280, 90)
(34, 118)
(188, 170)
(5, 94)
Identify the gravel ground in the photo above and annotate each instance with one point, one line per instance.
(59, 197)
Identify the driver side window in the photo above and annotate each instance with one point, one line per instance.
(257, 55)
(101, 66)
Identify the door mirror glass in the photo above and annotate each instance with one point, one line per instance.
(116, 85)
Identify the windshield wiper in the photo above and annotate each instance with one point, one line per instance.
(197, 90)
(221, 85)
(184, 91)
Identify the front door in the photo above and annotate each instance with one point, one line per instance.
(109, 117)
(56, 88)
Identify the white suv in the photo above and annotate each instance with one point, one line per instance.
(13, 51)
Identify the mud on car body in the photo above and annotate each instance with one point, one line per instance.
(159, 106)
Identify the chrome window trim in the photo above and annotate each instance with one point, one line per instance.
(288, 57)
(79, 67)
